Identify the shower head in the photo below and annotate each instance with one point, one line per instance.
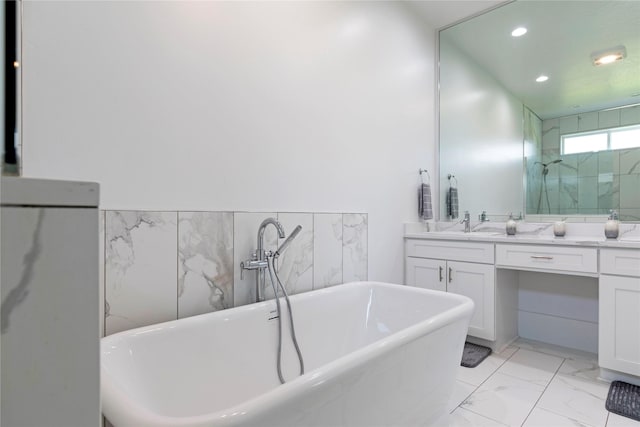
(286, 243)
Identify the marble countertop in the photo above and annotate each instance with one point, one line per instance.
(579, 234)
(19, 191)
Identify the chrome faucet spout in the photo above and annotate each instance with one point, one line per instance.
(467, 222)
(260, 256)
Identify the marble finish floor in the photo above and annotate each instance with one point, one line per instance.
(532, 384)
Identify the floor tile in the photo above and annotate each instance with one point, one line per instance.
(554, 350)
(461, 391)
(532, 366)
(585, 369)
(619, 421)
(543, 418)
(463, 418)
(576, 398)
(504, 398)
(488, 366)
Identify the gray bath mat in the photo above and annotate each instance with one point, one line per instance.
(473, 354)
(624, 399)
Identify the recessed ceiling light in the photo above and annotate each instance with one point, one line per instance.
(520, 31)
(609, 56)
(542, 78)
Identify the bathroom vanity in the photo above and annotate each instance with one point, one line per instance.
(487, 267)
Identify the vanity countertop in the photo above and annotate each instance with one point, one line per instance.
(579, 234)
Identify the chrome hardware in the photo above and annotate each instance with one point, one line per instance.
(258, 259)
(440, 272)
(483, 217)
(450, 274)
(541, 257)
(467, 222)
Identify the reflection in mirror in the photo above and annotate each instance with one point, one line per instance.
(9, 42)
(577, 131)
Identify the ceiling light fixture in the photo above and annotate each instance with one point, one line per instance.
(609, 56)
(520, 31)
(542, 78)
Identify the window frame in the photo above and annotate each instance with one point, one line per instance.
(606, 131)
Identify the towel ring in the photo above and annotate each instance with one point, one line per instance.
(449, 177)
(421, 171)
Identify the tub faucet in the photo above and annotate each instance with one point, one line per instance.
(467, 222)
(258, 259)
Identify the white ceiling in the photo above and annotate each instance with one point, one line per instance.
(561, 37)
(439, 14)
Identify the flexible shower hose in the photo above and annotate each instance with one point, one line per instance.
(272, 272)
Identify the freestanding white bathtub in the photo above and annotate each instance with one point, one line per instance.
(375, 354)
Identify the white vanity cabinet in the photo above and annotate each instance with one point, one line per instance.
(619, 310)
(459, 267)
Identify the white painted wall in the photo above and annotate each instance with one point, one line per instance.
(481, 129)
(263, 106)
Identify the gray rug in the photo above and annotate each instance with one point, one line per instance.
(473, 354)
(624, 399)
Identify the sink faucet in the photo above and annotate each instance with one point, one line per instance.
(483, 217)
(467, 222)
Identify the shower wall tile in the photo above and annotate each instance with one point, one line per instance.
(354, 247)
(629, 194)
(587, 192)
(140, 268)
(245, 231)
(205, 262)
(327, 250)
(608, 191)
(630, 116)
(609, 162)
(588, 121)
(630, 161)
(587, 164)
(568, 170)
(568, 124)
(551, 135)
(295, 265)
(608, 118)
(568, 194)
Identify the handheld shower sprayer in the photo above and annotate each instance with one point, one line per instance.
(287, 242)
(545, 172)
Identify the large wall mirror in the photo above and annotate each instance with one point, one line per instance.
(530, 123)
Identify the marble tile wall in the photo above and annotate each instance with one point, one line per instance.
(587, 183)
(161, 266)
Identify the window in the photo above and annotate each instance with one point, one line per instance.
(601, 140)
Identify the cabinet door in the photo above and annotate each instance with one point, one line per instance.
(426, 273)
(619, 334)
(476, 281)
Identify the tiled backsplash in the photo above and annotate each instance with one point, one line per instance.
(160, 266)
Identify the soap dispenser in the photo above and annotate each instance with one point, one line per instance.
(612, 226)
(511, 225)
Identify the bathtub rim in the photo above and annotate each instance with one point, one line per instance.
(114, 399)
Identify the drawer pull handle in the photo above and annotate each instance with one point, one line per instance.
(541, 257)
(440, 272)
(450, 274)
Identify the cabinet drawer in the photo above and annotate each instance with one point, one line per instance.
(624, 262)
(451, 250)
(578, 260)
